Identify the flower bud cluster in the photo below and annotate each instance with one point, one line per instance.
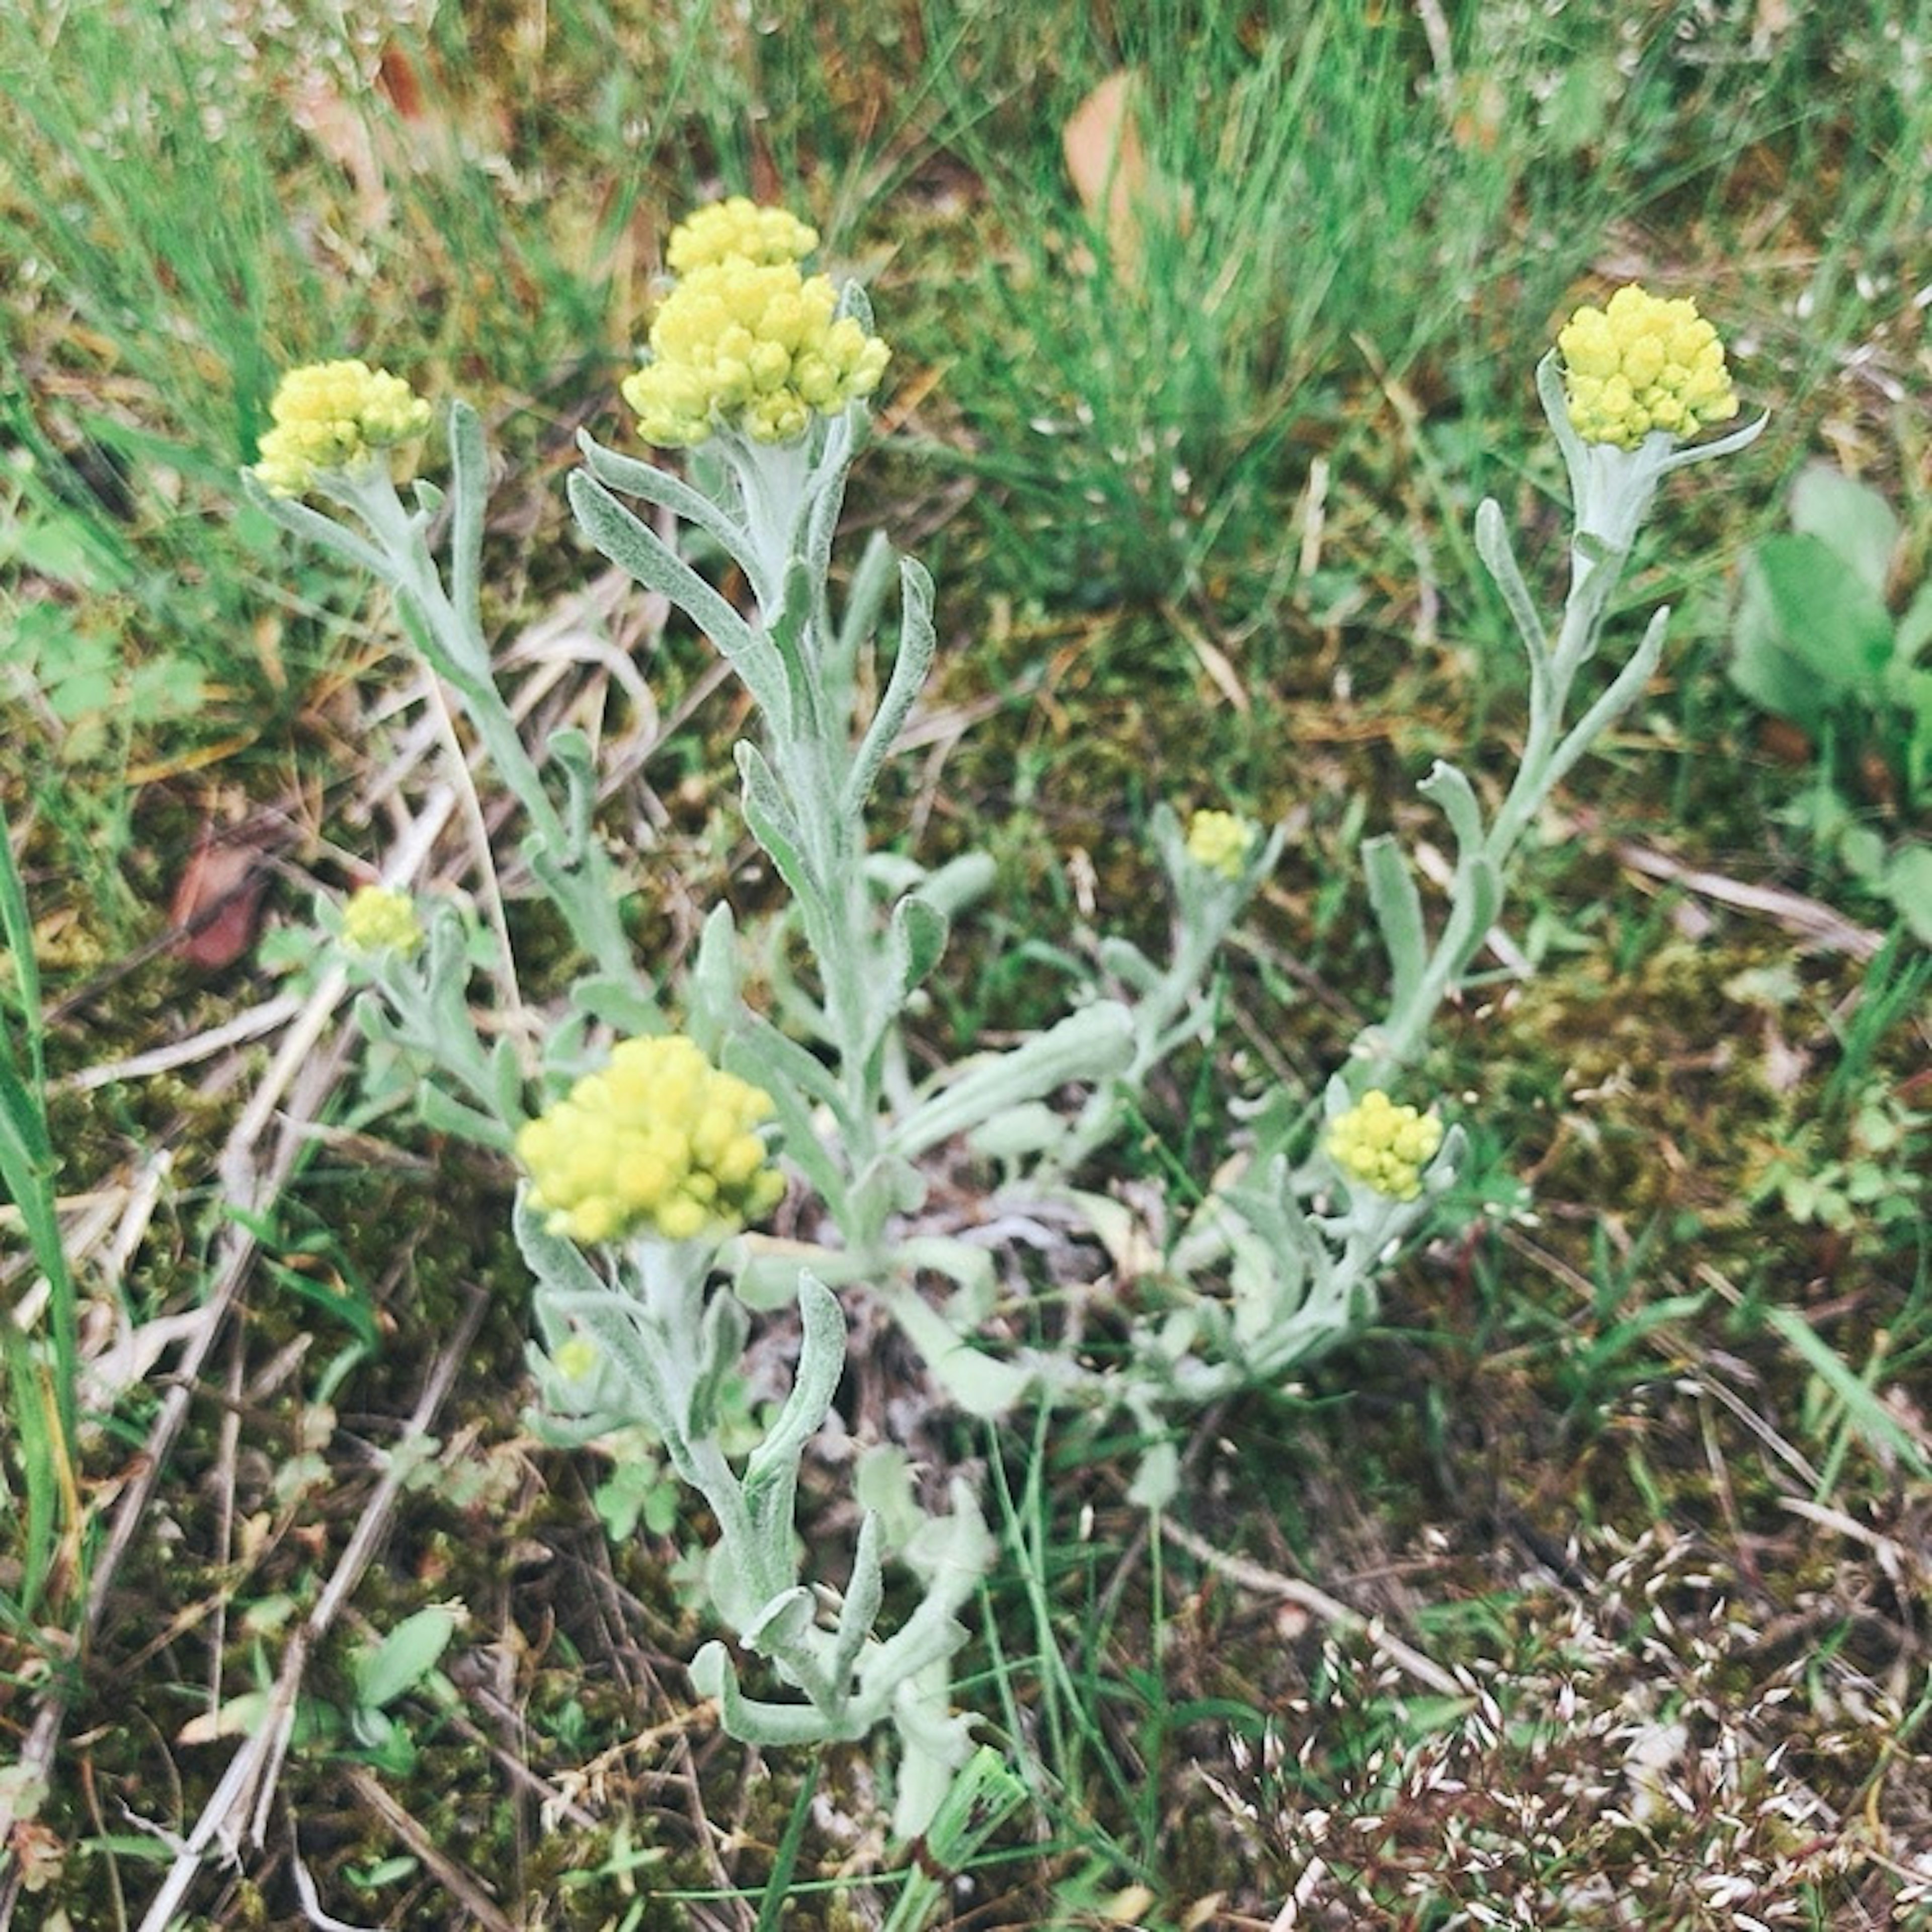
(1642, 363)
(738, 229)
(377, 919)
(1220, 841)
(334, 416)
(749, 342)
(1383, 1146)
(660, 1140)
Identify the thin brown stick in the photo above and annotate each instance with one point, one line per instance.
(1812, 920)
(462, 1884)
(1317, 1603)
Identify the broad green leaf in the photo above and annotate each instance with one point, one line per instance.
(1809, 632)
(407, 1655)
(1850, 518)
(1908, 884)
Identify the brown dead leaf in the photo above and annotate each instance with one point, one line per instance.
(1108, 162)
(217, 904)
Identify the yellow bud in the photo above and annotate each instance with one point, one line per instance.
(747, 341)
(659, 1141)
(1640, 364)
(333, 416)
(1220, 841)
(1383, 1146)
(378, 920)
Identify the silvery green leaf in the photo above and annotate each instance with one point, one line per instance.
(968, 1267)
(711, 993)
(443, 1114)
(780, 1059)
(887, 1185)
(1335, 1098)
(1030, 1128)
(821, 1362)
(754, 1721)
(959, 882)
(723, 1331)
(882, 1487)
(929, 1635)
(864, 1593)
(1087, 1046)
(1157, 1478)
(1624, 690)
(950, 1553)
(825, 496)
(655, 486)
(918, 642)
(865, 596)
(1556, 408)
(619, 1003)
(1398, 910)
(773, 821)
(635, 548)
(1121, 959)
(313, 527)
(745, 1057)
(782, 1625)
(790, 632)
(469, 487)
(1724, 445)
(1453, 795)
(1493, 547)
(982, 1385)
(429, 497)
(506, 1081)
(917, 939)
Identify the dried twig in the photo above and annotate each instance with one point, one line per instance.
(1318, 1602)
(1816, 923)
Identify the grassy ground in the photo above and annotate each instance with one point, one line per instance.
(1641, 1457)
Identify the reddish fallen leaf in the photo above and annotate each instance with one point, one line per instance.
(217, 912)
(1108, 162)
(396, 75)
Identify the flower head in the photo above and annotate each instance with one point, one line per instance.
(378, 920)
(576, 1359)
(755, 346)
(1641, 364)
(738, 229)
(1220, 841)
(1384, 1146)
(334, 416)
(659, 1140)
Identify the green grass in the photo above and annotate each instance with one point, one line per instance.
(1615, 1383)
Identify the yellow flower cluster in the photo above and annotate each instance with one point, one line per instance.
(1385, 1146)
(1642, 363)
(738, 228)
(659, 1140)
(1220, 841)
(576, 1359)
(378, 920)
(334, 416)
(749, 342)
